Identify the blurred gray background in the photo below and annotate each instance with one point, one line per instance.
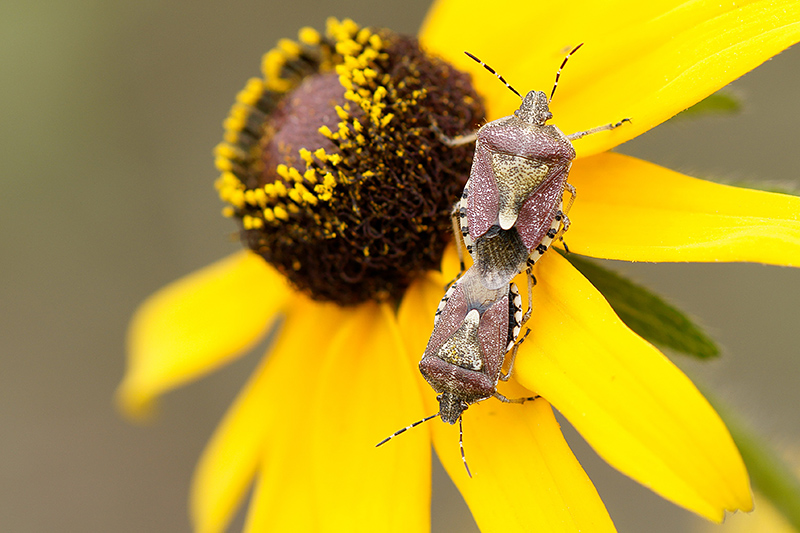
(110, 111)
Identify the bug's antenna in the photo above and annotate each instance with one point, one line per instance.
(398, 432)
(461, 445)
(490, 69)
(558, 74)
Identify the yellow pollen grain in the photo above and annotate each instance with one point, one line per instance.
(225, 150)
(325, 131)
(329, 181)
(223, 164)
(320, 154)
(269, 215)
(375, 41)
(292, 208)
(290, 48)
(236, 198)
(251, 92)
(346, 82)
(366, 251)
(260, 197)
(309, 36)
(283, 171)
(375, 115)
(379, 94)
(234, 124)
(280, 213)
(360, 139)
(341, 113)
(295, 175)
(358, 77)
(386, 119)
(368, 173)
(348, 47)
(272, 63)
(250, 196)
(344, 131)
(310, 175)
(231, 136)
(357, 125)
(294, 196)
(305, 155)
(309, 198)
(352, 96)
(334, 159)
(228, 211)
(363, 35)
(280, 188)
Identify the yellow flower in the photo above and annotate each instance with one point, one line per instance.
(339, 378)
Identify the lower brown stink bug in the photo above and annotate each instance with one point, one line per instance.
(474, 329)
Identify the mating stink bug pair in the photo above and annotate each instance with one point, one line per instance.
(509, 213)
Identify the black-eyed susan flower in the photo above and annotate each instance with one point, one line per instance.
(333, 167)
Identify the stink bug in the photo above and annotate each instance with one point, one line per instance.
(511, 209)
(474, 329)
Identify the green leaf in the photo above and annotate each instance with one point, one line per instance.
(645, 313)
(719, 103)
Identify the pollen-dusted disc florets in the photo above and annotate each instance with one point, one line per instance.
(333, 161)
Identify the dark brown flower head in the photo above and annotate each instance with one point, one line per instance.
(333, 164)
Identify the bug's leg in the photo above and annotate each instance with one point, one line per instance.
(564, 218)
(515, 400)
(531, 283)
(505, 375)
(605, 127)
(458, 140)
(458, 231)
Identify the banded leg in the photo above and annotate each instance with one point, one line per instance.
(458, 140)
(564, 218)
(515, 400)
(606, 127)
(455, 217)
(504, 376)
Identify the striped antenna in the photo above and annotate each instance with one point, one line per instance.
(499, 77)
(558, 74)
(461, 445)
(400, 431)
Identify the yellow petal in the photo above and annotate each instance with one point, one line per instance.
(632, 210)
(255, 421)
(347, 393)
(197, 324)
(637, 410)
(524, 476)
(645, 61)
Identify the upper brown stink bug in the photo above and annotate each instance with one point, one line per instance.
(511, 208)
(474, 329)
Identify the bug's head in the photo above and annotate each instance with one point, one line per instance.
(535, 109)
(451, 407)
